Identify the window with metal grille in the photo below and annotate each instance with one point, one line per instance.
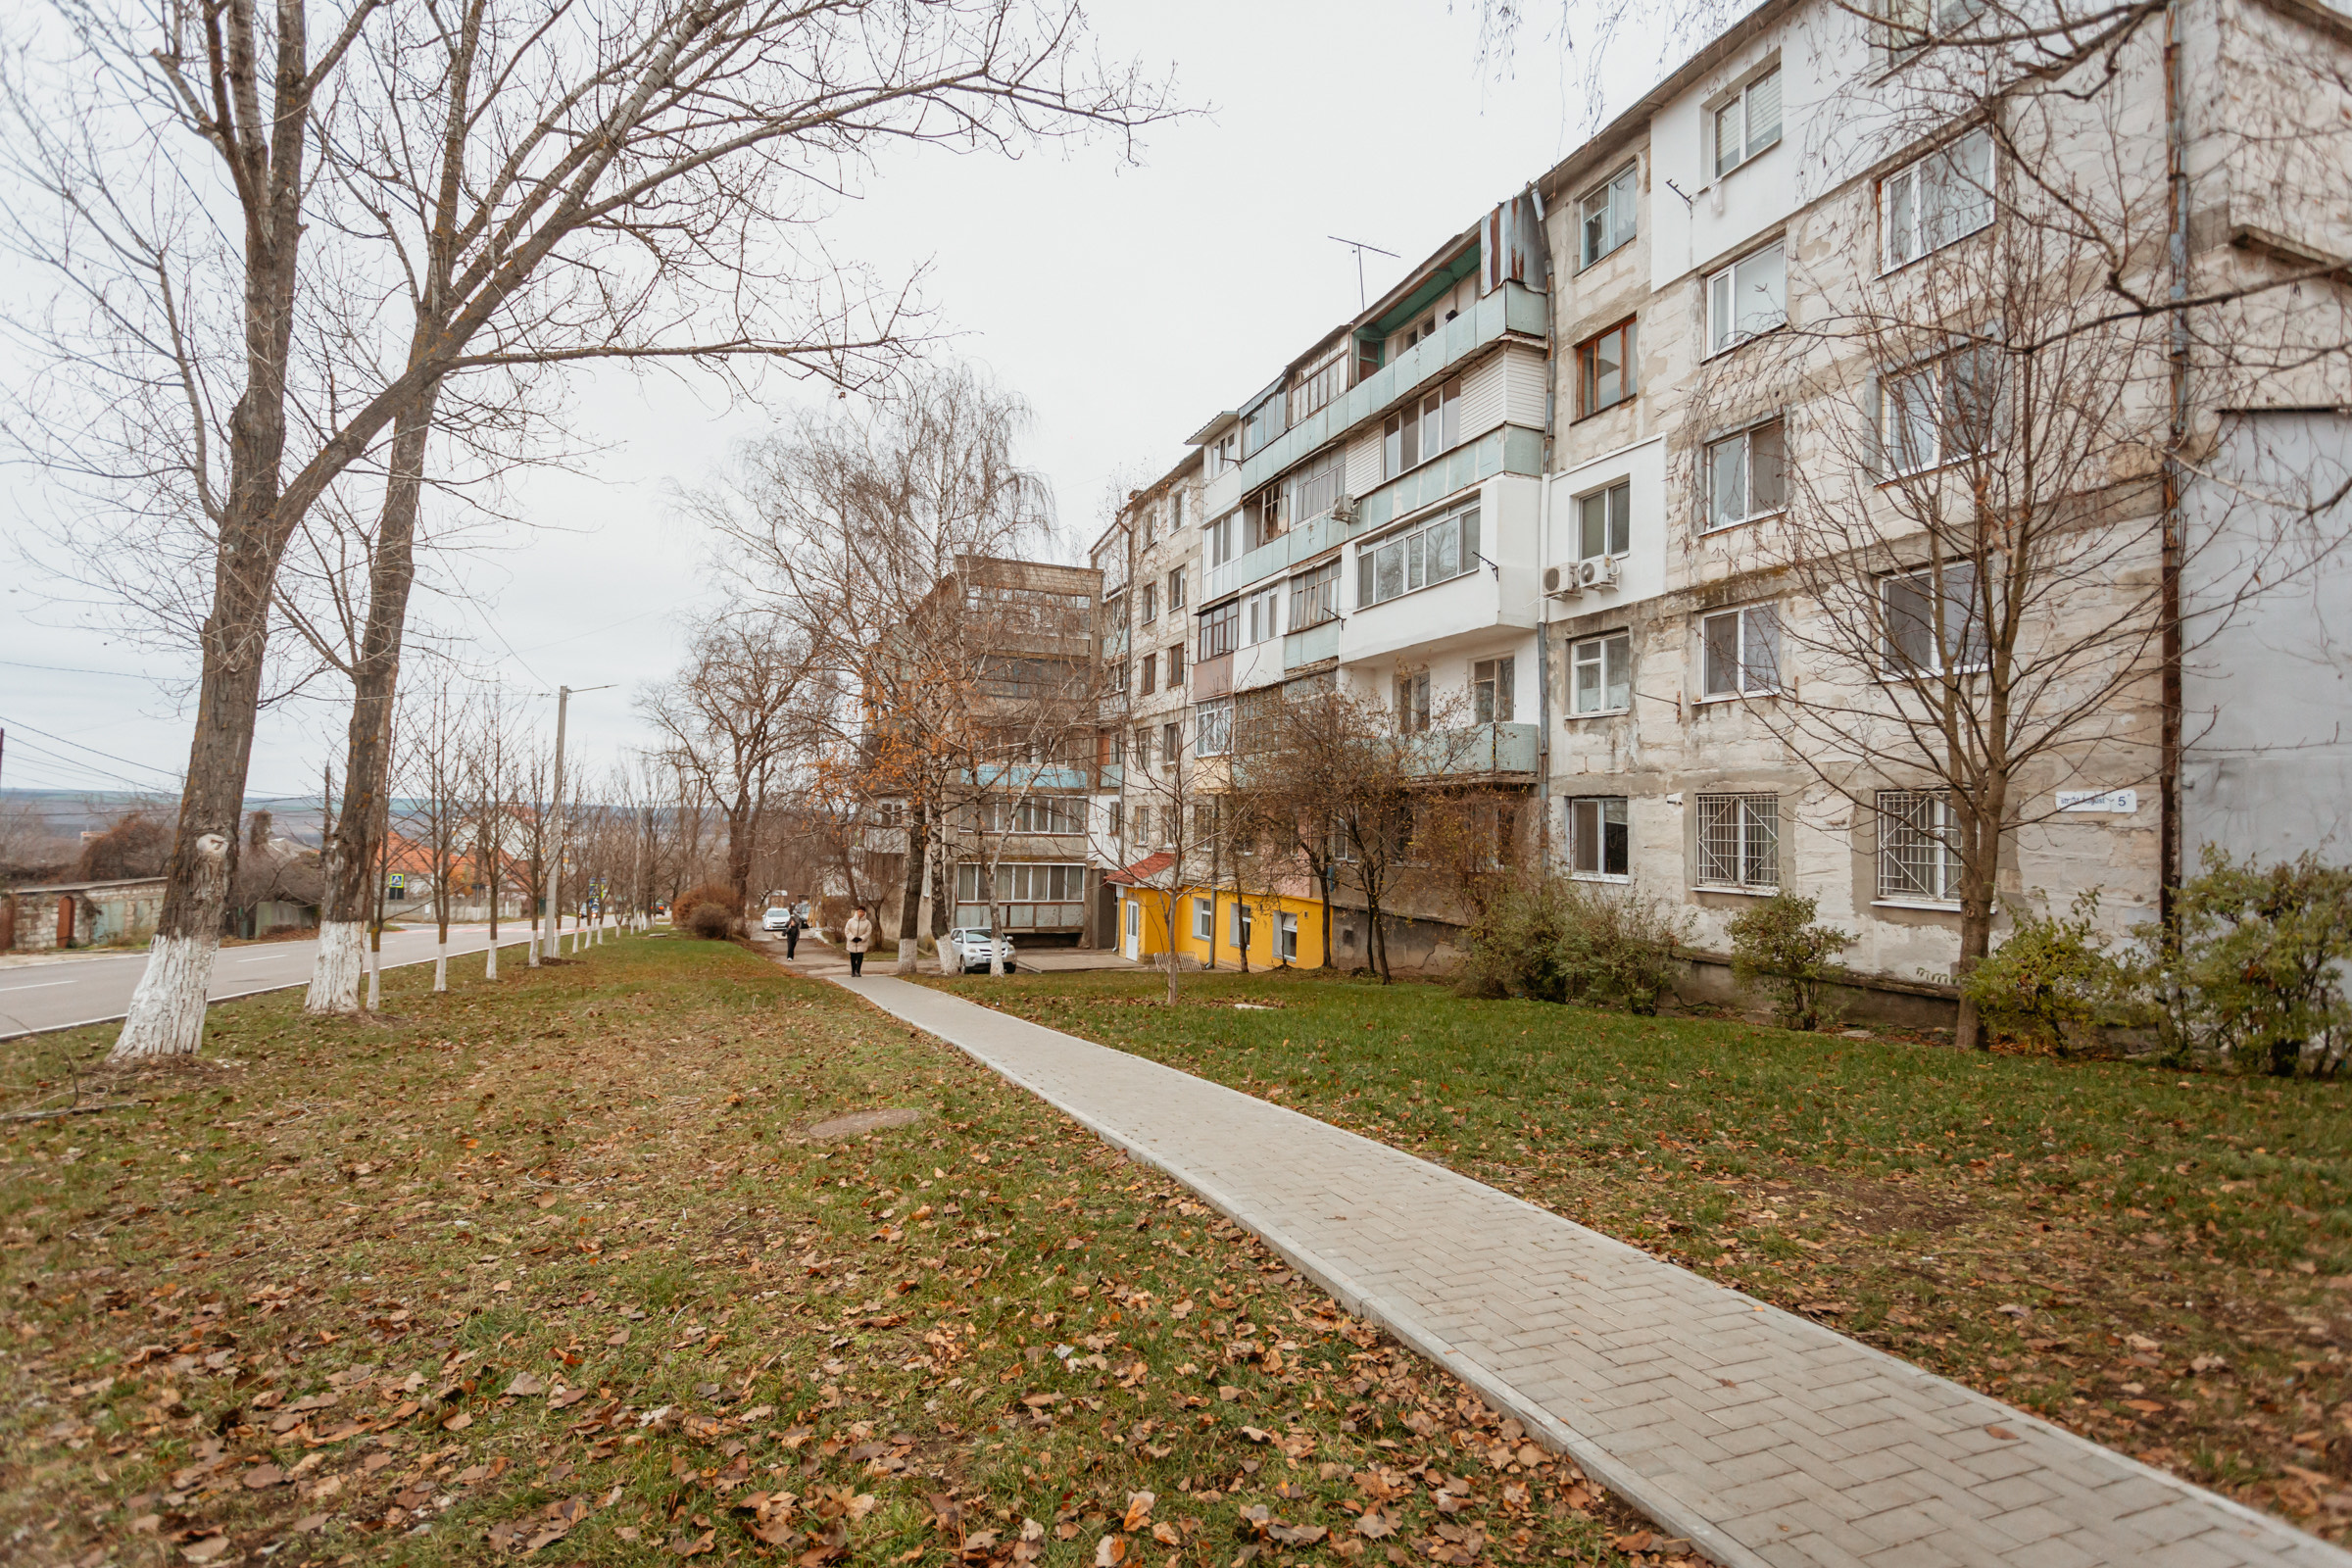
(1740, 841)
(1919, 854)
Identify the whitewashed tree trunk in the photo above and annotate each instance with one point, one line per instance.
(336, 974)
(375, 979)
(490, 962)
(167, 1011)
(441, 964)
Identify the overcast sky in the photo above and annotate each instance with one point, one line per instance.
(1127, 302)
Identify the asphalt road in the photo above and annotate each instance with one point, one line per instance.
(40, 997)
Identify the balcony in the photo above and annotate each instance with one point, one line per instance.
(1304, 542)
(1311, 647)
(1479, 750)
(1513, 308)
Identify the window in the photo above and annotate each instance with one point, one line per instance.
(1433, 553)
(1315, 596)
(1740, 841)
(1606, 217)
(1598, 843)
(1143, 747)
(1217, 628)
(1262, 517)
(1288, 926)
(1604, 370)
(1042, 814)
(1175, 667)
(1224, 453)
(1237, 925)
(1319, 382)
(1943, 410)
(1118, 820)
(1313, 488)
(1204, 919)
(1429, 428)
(1747, 297)
(1149, 516)
(1151, 604)
(1151, 665)
(1914, 644)
(1945, 196)
(1494, 690)
(1412, 702)
(1034, 894)
(1176, 589)
(1748, 123)
(1919, 853)
(1212, 728)
(1171, 744)
(1741, 651)
(1905, 27)
(1604, 522)
(1601, 674)
(1261, 615)
(1223, 538)
(1746, 476)
(1262, 420)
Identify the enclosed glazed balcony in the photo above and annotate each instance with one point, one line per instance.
(1476, 751)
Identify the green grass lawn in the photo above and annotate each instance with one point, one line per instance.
(2161, 1261)
(556, 1267)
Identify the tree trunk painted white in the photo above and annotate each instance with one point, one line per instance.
(166, 1011)
(490, 962)
(375, 978)
(335, 972)
(531, 947)
(441, 964)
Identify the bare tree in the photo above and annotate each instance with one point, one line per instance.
(438, 811)
(845, 528)
(730, 719)
(548, 188)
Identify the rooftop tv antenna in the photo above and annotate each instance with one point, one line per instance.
(1359, 247)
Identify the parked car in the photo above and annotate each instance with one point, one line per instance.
(773, 919)
(968, 950)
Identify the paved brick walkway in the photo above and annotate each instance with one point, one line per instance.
(1761, 1436)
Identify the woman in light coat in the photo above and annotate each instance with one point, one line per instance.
(857, 936)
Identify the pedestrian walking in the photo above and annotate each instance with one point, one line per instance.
(857, 936)
(792, 933)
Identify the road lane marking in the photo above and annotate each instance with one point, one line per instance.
(38, 986)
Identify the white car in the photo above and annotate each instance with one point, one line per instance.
(773, 919)
(968, 950)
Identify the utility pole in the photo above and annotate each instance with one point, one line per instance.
(554, 895)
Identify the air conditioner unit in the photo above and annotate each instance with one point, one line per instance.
(1560, 582)
(1344, 510)
(1598, 572)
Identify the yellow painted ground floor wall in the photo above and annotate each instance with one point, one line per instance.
(1143, 931)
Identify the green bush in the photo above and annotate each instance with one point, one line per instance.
(2256, 975)
(2053, 984)
(1551, 940)
(1778, 949)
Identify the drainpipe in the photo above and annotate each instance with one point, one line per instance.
(1543, 551)
(2176, 147)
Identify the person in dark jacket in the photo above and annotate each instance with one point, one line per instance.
(792, 933)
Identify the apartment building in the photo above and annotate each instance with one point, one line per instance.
(1647, 482)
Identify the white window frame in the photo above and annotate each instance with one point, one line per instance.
(1717, 517)
(1744, 99)
(1728, 290)
(1286, 925)
(1931, 382)
(1419, 549)
(1589, 819)
(1261, 616)
(1608, 655)
(1220, 535)
(1918, 862)
(1738, 843)
(1204, 919)
(1500, 676)
(1617, 212)
(1757, 647)
(1617, 524)
(1239, 926)
(1315, 595)
(1212, 728)
(1959, 602)
(1908, 229)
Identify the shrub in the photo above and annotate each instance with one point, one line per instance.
(1550, 940)
(1777, 948)
(2052, 983)
(711, 911)
(2256, 975)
